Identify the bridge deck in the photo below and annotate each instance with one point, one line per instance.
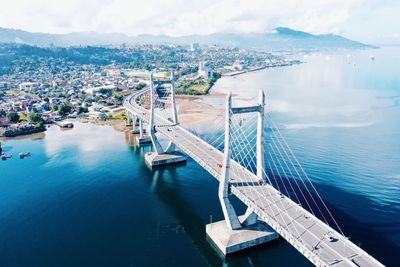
(300, 228)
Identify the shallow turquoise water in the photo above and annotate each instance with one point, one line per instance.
(86, 198)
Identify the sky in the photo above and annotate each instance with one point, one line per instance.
(372, 21)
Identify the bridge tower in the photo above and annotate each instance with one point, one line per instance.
(161, 156)
(246, 230)
(171, 146)
(229, 212)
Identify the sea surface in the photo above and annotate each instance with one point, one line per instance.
(86, 198)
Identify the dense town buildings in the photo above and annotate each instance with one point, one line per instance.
(54, 83)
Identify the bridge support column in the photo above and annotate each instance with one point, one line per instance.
(171, 146)
(237, 233)
(159, 156)
(137, 126)
(142, 138)
(260, 149)
(152, 131)
(128, 118)
(223, 191)
(136, 120)
(260, 136)
(141, 130)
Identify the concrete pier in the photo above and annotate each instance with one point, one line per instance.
(145, 139)
(229, 241)
(137, 131)
(153, 159)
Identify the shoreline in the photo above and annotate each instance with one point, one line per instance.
(237, 73)
(191, 111)
(32, 136)
(117, 124)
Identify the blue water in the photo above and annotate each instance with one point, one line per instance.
(340, 113)
(86, 198)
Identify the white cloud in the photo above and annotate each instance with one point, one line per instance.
(176, 17)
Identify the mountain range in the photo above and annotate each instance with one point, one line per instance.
(280, 39)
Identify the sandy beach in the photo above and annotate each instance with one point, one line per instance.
(191, 111)
(117, 124)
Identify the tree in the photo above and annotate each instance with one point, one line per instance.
(54, 108)
(82, 110)
(64, 109)
(118, 100)
(35, 117)
(105, 91)
(140, 86)
(13, 117)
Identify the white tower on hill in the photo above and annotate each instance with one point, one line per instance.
(204, 71)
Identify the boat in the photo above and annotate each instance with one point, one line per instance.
(5, 156)
(65, 124)
(23, 155)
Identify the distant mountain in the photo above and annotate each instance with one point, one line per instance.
(281, 39)
(46, 39)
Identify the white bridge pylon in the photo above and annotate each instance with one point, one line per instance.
(230, 215)
(174, 116)
(169, 155)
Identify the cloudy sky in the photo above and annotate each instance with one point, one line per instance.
(365, 20)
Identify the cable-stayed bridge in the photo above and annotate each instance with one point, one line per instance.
(254, 163)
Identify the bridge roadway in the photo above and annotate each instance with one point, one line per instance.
(318, 242)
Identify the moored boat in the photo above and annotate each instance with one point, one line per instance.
(23, 155)
(5, 156)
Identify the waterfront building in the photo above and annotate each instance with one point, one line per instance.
(96, 115)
